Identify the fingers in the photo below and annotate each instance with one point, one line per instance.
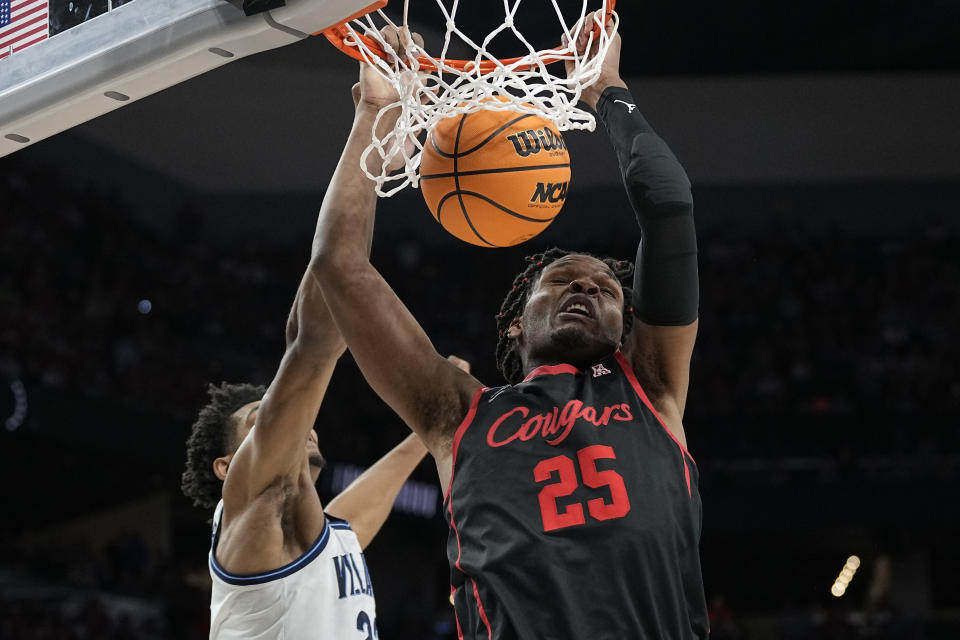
(583, 38)
(460, 362)
(417, 39)
(391, 35)
(610, 26)
(398, 39)
(587, 37)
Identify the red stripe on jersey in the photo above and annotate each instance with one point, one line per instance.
(631, 376)
(684, 454)
(455, 618)
(467, 421)
(483, 614)
(456, 533)
(458, 435)
(552, 370)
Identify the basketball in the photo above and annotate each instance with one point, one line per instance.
(495, 178)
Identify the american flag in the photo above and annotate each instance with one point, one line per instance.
(22, 23)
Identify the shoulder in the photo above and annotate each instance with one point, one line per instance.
(341, 529)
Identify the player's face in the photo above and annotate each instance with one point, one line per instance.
(574, 312)
(246, 416)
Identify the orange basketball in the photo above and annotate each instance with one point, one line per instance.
(495, 178)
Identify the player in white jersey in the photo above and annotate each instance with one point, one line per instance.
(281, 566)
(326, 592)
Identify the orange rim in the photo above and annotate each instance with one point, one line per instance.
(338, 33)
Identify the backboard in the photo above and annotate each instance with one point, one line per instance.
(137, 49)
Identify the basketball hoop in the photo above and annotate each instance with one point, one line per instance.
(432, 88)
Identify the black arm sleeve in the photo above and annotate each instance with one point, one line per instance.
(665, 286)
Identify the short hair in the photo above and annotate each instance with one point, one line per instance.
(508, 360)
(211, 437)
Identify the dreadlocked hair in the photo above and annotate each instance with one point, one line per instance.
(211, 437)
(508, 360)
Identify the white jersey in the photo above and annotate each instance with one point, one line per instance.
(325, 594)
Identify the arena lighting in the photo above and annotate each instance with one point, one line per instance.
(846, 575)
(15, 420)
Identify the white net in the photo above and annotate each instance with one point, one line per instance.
(432, 88)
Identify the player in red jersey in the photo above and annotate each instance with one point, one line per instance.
(571, 497)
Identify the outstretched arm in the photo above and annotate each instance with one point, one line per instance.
(367, 502)
(397, 358)
(666, 285)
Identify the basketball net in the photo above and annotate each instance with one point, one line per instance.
(432, 88)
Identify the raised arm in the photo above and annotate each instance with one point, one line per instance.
(274, 451)
(666, 285)
(367, 502)
(397, 358)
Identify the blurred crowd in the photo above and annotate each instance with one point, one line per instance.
(91, 300)
(122, 591)
(831, 322)
(71, 616)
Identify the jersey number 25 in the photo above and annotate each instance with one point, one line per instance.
(567, 483)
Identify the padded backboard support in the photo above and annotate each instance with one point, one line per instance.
(138, 49)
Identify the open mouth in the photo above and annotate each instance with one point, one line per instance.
(576, 305)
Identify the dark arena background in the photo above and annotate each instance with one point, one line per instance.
(159, 247)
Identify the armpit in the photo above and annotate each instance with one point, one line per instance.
(649, 372)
